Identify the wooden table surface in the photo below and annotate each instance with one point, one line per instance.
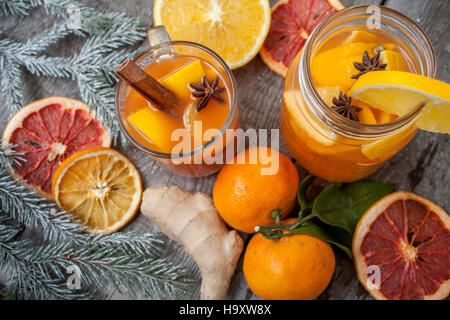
(422, 167)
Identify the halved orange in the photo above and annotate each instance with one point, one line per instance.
(100, 186)
(47, 131)
(292, 22)
(404, 241)
(234, 29)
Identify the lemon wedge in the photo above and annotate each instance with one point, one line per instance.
(400, 92)
(365, 115)
(157, 126)
(361, 36)
(394, 60)
(334, 67)
(382, 149)
(178, 81)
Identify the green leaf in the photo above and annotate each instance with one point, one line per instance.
(342, 204)
(314, 230)
(301, 194)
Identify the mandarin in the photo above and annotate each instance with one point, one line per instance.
(295, 267)
(245, 195)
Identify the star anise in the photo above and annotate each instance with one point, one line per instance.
(368, 64)
(343, 105)
(206, 91)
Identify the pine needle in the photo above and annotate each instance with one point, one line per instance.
(109, 37)
(129, 262)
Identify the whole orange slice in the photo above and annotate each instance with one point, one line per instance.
(292, 23)
(48, 131)
(100, 186)
(404, 241)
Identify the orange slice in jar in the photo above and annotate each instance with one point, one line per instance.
(315, 134)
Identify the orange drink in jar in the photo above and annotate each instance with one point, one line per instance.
(329, 134)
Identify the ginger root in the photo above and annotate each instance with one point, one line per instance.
(192, 221)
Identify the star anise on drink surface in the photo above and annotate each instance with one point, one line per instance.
(343, 105)
(368, 64)
(207, 90)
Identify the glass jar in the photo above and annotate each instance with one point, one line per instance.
(206, 157)
(327, 144)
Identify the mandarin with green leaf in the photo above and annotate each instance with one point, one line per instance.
(295, 267)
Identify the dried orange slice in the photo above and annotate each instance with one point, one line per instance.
(100, 186)
(404, 241)
(234, 29)
(48, 131)
(292, 22)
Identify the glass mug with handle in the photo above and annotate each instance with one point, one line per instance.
(193, 140)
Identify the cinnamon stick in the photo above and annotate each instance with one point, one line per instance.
(148, 87)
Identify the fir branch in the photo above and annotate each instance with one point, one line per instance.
(93, 68)
(37, 213)
(45, 39)
(130, 263)
(8, 232)
(134, 274)
(17, 7)
(11, 83)
(100, 96)
(48, 66)
(24, 279)
(10, 157)
(123, 32)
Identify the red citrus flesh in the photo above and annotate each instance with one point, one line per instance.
(292, 23)
(408, 238)
(48, 131)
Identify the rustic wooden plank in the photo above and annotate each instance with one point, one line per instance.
(422, 167)
(433, 17)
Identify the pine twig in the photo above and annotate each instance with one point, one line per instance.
(11, 83)
(26, 282)
(93, 67)
(45, 39)
(37, 213)
(17, 8)
(130, 263)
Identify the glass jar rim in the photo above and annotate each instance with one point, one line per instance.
(337, 122)
(121, 85)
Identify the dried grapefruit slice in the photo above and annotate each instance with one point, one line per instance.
(408, 238)
(48, 131)
(292, 22)
(100, 186)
